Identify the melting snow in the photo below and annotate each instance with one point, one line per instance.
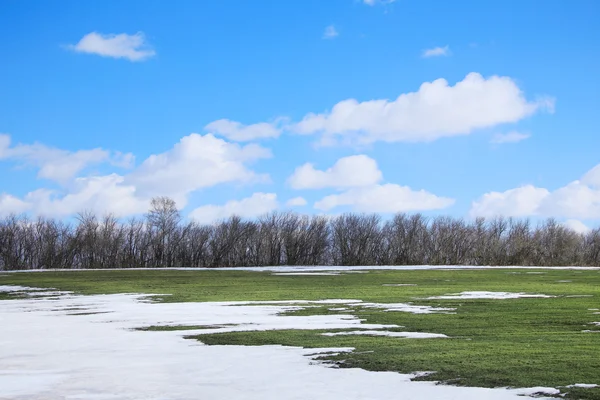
(486, 295)
(538, 389)
(47, 354)
(399, 284)
(583, 385)
(410, 308)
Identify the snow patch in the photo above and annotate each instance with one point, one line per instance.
(411, 335)
(15, 288)
(537, 390)
(399, 284)
(583, 385)
(487, 295)
(409, 308)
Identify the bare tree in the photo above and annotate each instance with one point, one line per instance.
(163, 220)
(163, 240)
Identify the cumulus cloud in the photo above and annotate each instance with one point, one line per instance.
(296, 202)
(579, 199)
(352, 171)
(195, 162)
(436, 110)
(387, 198)
(330, 32)
(436, 52)
(250, 207)
(358, 180)
(510, 137)
(12, 205)
(56, 164)
(100, 194)
(131, 47)
(592, 177)
(577, 226)
(518, 202)
(238, 132)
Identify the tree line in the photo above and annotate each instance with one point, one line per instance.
(162, 239)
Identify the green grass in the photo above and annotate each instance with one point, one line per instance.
(494, 343)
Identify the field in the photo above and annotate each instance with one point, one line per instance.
(516, 328)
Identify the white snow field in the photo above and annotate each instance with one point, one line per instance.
(487, 295)
(85, 348)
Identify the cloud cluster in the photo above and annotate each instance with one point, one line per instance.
(579, 199)
(358, 179)
(347, 172)
(131, 47)
(195, 162)
(56, 164)
(436, 110)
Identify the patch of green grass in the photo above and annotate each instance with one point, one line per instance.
(514, 342)
(6, 296)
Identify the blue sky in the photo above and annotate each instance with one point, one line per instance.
(99, 101)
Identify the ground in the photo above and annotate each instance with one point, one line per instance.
(548, 341)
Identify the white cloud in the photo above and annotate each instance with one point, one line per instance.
(577, 226)
(592, 177)
(330, 32)
(250, 207)
(352, 171)
(436, 110)
(56, 164)
(238, 132)
(436, 52)
(100, 194)
(519, 202)
(387, 198)
(12, 205)
(296, 202)
(374, 2)
(195, 162)
(579, 199)
(575, 200)
(132, 47)
(510, 137)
